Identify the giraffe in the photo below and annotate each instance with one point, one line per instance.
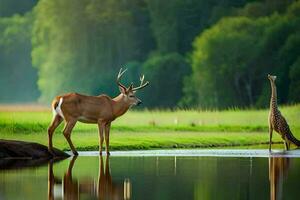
(277, 122)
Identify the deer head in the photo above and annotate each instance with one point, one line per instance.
(129, 92)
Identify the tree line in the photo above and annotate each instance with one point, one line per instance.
(195, 53)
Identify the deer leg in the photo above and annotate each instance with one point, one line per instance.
(101, 179)
(101, 137)
(54, 124)
(107, 129)
(70, 168)
(67, 133)
(108, 178)
(50, 181)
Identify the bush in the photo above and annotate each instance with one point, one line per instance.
(166, 74)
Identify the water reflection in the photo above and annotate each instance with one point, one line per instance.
(71, 188)
(278, 171)
(11, 164)
(146, 178)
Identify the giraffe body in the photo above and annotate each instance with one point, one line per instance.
(277, 122)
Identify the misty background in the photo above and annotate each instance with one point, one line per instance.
(195, 53)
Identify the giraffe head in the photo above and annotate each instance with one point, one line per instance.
(272, 78)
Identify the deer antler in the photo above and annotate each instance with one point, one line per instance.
(142, 85)
(120, 74)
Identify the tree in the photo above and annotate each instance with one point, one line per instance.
(9, 8)
(17, 77)
(230, 61)
(165, 74)
(224, 65)
(80, 45)
(175, 24)
(294, 90)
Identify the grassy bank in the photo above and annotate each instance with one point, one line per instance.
(155, 129)
(151, 140)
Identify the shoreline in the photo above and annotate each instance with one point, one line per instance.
(261, 153)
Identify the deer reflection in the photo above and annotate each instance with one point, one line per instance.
(70, 188)
(278, 169)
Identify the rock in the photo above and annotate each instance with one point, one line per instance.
(27, 150)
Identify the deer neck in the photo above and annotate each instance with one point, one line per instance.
(120, 106)
(273, 102)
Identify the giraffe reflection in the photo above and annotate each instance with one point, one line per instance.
(278, 169)
(71, 188)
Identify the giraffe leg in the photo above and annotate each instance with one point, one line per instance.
(67, 133)
(287, 144)
(270, 141)
(54, 124)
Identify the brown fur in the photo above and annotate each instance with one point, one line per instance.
(101, 110)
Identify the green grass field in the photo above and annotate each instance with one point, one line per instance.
(155, 129)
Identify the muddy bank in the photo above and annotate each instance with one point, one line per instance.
(12, 149)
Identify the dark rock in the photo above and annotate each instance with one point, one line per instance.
(12, 149)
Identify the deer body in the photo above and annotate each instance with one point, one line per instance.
(101, 110)
(89, 109)
(277, 122)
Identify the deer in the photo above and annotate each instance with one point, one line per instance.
(101, 110)
(71, 188)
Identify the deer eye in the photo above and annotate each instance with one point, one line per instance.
(131, 96)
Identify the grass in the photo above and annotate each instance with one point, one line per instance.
(155, 129)
(152, 140)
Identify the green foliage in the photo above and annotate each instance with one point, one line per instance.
(264, 8)
(295, 81)
(11, 7)
(165, 74)
(80, 45)
(17, 77)
(177, 23)
(230, 61)
(224, 59)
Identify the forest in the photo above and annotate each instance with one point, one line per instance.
(195, 53)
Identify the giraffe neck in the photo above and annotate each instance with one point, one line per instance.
(273, 102)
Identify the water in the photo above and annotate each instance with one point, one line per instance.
(155, 177)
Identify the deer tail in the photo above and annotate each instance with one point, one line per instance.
(56, 107)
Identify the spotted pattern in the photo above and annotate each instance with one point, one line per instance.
(277, 121)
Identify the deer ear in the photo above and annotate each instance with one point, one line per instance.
(122, 90)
